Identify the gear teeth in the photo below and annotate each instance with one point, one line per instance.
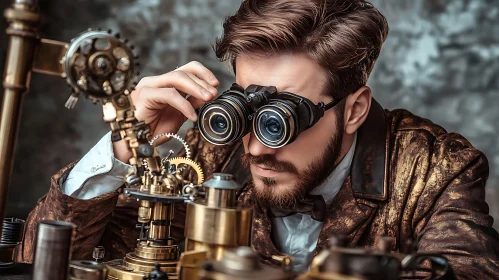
(191, 163)
(173, 135)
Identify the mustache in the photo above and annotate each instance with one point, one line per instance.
(268, 161)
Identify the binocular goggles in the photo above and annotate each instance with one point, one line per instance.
(277, 118)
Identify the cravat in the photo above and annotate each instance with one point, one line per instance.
(313, 205)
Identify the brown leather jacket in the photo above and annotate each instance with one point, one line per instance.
(410, 181)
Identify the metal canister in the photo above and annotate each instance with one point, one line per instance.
(217, 223)
(53, 250)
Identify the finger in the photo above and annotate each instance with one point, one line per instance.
(201, 72)
(157, 98)
(203, 83)
(178, 80)
(196, 103)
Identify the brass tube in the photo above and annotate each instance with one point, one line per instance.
(23, 20)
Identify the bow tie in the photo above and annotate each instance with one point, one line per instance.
(313, 205)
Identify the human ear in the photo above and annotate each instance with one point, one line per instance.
(357, 108)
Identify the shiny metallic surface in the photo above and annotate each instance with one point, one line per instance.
(87, 270)
(118, 270)
(242, 258)
(216, 229)
(98, 253)
(222, 181)
(238, 264)
(234, 109)
(23, 21)
(341, 262)
(96, 56)
(286, 115)
(27, 2)
(189, 263)
(158, 194)
(11, 237)
(48, 57)
(220, 198)
(12, 231)
(53, 250)
(214, 225)
(164, 213)
(221, 191)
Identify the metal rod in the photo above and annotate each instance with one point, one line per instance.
(23, 20)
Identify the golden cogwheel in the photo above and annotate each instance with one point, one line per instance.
(182, 160)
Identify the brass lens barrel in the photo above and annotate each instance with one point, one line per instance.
(53, 250)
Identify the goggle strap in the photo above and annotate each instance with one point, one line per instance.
(330, 104)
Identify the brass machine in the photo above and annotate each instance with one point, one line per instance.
(100, 66)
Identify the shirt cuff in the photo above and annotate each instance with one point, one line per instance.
(97, 173)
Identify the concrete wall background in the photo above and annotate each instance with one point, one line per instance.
(441, 61)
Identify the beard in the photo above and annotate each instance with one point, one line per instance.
(313, 176)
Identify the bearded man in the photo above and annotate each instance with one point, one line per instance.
(378, 173)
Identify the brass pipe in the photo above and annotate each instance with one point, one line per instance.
(23, 20)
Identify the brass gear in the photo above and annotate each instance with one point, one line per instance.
(177, 137)
(191, 163)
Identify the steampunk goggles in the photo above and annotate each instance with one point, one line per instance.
(276, 118)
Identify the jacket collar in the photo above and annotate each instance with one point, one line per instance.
(370, 163)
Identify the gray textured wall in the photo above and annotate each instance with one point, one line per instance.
(441, 61)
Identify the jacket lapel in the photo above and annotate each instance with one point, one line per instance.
(347, 217)
(261, 239)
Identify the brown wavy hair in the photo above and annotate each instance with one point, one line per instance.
(343, 36)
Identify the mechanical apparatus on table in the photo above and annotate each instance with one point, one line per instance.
(101, 66)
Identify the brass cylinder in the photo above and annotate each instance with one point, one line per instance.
(53, 250)
(23, 20)
(162, 215)
(144, 214)
(240, 264)
(216, 229)
(220, 198)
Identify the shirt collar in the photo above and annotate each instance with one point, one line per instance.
(330, 187)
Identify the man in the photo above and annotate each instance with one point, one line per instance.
(380, 173)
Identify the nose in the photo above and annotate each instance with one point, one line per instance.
(256, 148)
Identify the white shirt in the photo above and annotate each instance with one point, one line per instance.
(297, 235)
(99, 172)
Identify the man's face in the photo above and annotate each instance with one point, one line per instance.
(280, 176)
